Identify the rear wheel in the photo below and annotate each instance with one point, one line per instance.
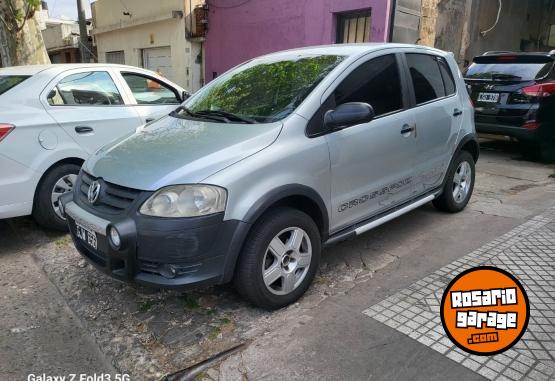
(279, 259)
(57, 181)
(459, 184)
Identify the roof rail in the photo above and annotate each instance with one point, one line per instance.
(496, 52)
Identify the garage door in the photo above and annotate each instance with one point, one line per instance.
(159, 60)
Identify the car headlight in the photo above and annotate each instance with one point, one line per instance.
(185, 201)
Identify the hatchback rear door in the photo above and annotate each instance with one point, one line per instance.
(90, 107)
(496, 84)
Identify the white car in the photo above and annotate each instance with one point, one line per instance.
(52, 117)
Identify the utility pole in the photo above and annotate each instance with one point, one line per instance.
(83, 35)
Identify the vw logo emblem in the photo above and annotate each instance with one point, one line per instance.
(94, 192)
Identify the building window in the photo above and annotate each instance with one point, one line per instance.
(353, 27)
(117, 57)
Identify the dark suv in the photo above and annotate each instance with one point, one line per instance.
(514, 95)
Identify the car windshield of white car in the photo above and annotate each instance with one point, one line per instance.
(261, 91)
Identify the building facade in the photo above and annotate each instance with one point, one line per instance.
(156, 35)
(471, 27)
(242, 29)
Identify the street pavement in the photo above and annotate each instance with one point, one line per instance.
(344, 328)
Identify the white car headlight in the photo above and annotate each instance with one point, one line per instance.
(185, 201)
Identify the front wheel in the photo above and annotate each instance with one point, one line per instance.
(46, 208)
(459, 184)
(279, 259)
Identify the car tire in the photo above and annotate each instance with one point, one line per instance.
(459, 184)
(56, 181)
(546, 150)
(285, 245)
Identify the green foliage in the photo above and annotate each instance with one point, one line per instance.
(266, 90)
(552, 175)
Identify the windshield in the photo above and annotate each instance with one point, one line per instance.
(262, 90)
(508, 71)
(9, 81)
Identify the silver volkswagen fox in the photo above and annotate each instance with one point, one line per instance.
(254, 174)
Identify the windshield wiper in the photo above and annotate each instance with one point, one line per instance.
(227, 115)
(177, 114)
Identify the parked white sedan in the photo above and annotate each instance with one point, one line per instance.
(53, 116)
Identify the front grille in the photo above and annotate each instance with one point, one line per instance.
(113, 199)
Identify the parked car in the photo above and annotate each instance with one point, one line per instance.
(53, 117)
(514, 95)
(268, 163)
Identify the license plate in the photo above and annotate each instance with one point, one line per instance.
(488, 97)
(86, 235)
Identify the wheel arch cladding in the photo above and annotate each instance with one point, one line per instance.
(296, 196)
(470, 144)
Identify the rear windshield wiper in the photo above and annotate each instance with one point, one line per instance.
(227, 115)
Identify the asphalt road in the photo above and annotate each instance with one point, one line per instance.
(61, 316)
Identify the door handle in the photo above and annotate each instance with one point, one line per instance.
(457, 112)
(148, 120)
(84, 129)
(406, 129)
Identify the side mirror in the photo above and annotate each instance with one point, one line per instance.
(348, 114)
(185, 95)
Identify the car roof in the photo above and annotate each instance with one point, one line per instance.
(350, 50)
(58, 68)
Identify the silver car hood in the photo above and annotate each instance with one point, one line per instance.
(178, 151)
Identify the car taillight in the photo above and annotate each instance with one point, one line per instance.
(5, 129)
(531, 125)
(541, 90)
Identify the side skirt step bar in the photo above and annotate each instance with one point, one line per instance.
(360, 229)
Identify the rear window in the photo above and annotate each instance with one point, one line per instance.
(508, 71)
(9, 81)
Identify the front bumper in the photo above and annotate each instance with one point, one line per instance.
(194, 251)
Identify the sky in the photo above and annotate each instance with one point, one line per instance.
(66, 9)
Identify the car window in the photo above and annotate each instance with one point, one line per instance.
(376, 82)
(150, 91)
(426, 77)
(89, 88)
(447, 76)
(10, 81)
(265, 89)
(508, 70)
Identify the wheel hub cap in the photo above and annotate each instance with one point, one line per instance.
(462, 180)
(63, 185)
(286, 261)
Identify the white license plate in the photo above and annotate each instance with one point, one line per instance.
(488, 97)
(86, 235)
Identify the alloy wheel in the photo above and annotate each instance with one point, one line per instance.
(462, 181)
(286, 261)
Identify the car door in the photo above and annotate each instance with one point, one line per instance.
(89, 106)
(152, 97)
(437, 116)
(371, 163)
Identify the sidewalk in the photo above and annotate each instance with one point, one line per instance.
(38, 332)
(400, 337)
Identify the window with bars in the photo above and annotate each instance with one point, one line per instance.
(353, 27)
(116, 57)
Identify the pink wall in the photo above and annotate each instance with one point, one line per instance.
(242, 29)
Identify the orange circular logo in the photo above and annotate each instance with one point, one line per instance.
(485, 310)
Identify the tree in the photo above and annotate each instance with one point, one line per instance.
(21, 40)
